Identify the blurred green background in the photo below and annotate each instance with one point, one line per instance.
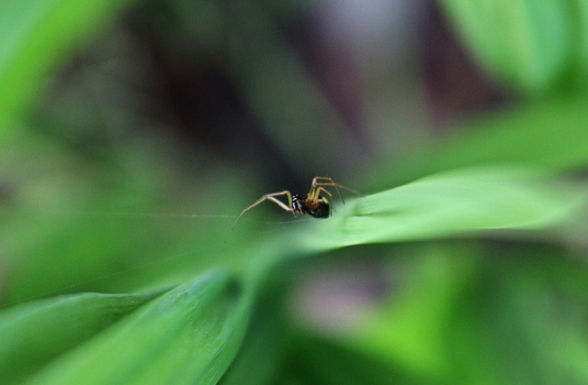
(132, 133)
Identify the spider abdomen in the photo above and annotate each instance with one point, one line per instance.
(318, 208)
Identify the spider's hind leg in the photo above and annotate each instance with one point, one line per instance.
(326, 181)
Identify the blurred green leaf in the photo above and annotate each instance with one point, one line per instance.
(405, 328)
(260, 358)
(129, 228)
(461, 318)
(519, 321)
(36, 36)
(263, 351)
(528, 44)
(189, 335)
(325, 361)
(35, 333)
(582, 37)
(551, 134)
(301, 122)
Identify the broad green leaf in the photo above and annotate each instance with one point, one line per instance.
(463, 201)
(35, 37)
(453, 204)
(527, 44)
(189, 335)
(35, 333)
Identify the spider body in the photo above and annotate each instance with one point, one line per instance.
(319, 208)
(313, 203)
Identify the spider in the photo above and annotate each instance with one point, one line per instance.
(313, 203)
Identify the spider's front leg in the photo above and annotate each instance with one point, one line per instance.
(271, 197)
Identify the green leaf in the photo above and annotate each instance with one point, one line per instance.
(263, 351)
(551, 134)
(263, 68)
(452, 204)
(405, 329)
(462, 201)
(471, 314)
(37, 332)
(527, 44)
(325, 360)
(508, 326)
(36, 36)
(189, 335)
(582, 36)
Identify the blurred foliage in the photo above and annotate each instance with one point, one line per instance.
(538, 46)
(35, 37)
(131, 138)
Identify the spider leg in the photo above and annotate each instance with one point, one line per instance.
(325, 181)
(330, 198)
(271, 197)
(328, 182)
(313, 193)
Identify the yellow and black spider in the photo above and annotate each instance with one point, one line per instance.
(313, 203)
